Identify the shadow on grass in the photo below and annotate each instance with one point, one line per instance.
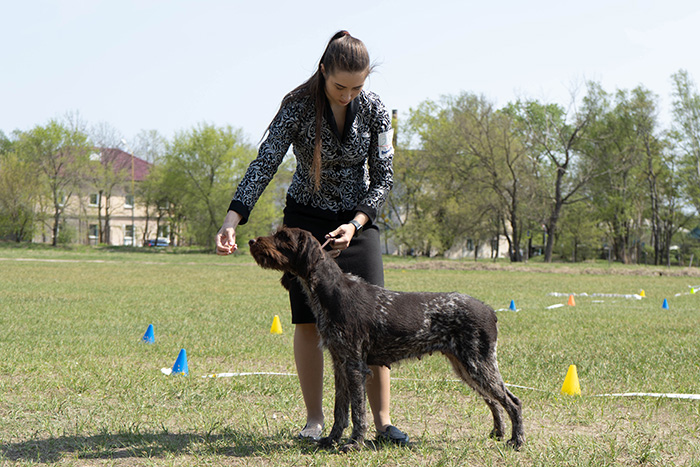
(124, 445)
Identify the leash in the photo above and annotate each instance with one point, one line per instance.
(327, 242)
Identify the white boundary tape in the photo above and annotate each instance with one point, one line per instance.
(625, 394)
(652, 394)
(607, 295)
(232, 375)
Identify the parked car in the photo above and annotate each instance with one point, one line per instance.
(158, 242)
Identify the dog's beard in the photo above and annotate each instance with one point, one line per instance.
(268, 259)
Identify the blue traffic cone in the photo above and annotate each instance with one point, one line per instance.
(665, 305)
(149, 338)
(180, 365)
(512, 306)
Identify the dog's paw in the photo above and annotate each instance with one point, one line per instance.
(515, 443)
(496, 434)
(327, 442)
(352, 446)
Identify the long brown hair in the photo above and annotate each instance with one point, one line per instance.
(343, 53)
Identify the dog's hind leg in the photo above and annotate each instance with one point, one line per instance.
(483, 376)
(515, 412)
(498, 423)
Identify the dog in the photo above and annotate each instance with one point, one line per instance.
(362, 324)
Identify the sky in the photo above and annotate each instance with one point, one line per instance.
(170, 65)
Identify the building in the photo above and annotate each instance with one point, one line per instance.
(103, 209)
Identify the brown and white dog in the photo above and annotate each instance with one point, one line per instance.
(362, 324)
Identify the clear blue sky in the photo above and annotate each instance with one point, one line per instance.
(169, 65)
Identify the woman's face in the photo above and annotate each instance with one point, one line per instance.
(343, 86)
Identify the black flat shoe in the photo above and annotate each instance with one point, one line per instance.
(393, 435)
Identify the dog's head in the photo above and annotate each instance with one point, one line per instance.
(290, 250)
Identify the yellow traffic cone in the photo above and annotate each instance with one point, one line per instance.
(571, 386)
(572, 302)
(642, 294)
(276, 326)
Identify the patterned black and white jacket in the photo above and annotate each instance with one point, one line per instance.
(356, 166)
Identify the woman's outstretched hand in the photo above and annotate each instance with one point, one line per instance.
(226, 236)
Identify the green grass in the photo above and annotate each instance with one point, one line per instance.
(77, 387)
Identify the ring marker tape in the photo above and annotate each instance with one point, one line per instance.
(624, 394)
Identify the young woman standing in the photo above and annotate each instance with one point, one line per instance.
(342, 139)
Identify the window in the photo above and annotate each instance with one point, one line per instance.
(94, 199)
(129, 202)
(93, 234)
(164, 231)
(128, 235)
(470, 244)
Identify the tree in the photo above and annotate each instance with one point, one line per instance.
(555, 138)
(150, 146)
(580, 234)
(477, 165)
(615, 150)
(656, 168)
(5, 143)
(203, 166)
(18, 193)
(104, 175)
(686, 132)
(402, 214)
(60, 151)
(429, 200)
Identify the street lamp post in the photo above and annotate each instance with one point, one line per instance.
(133, 195)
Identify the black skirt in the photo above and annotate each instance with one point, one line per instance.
(362, 258)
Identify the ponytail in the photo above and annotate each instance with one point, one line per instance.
(343, 53)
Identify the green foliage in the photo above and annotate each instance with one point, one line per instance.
(59, 151)
(471, 167)
(580, 237)
(202, 166)
(556, 140)
(627, 156)
(686, 132)
(18, 196)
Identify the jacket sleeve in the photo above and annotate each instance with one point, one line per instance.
(264, 166)
(380, 163)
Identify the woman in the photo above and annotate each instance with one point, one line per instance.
(342, 140)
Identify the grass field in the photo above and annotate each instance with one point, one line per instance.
(78, 387)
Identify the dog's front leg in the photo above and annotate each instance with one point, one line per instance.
(357, 378)
(342, 400)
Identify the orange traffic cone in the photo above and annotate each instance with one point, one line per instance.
(572, 302)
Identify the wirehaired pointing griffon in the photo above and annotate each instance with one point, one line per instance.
(362, 324)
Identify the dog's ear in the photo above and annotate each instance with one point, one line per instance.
(286, 280)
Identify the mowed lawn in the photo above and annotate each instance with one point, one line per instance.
(78, 387)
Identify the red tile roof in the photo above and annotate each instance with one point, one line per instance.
(122, 161)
